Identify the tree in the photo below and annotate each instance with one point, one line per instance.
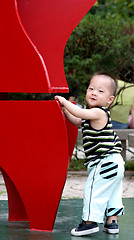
(122, 10)
(98, 43)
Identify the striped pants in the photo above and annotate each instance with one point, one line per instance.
(103, 189)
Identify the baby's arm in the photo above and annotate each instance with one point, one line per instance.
(92, 114)
(74, 120)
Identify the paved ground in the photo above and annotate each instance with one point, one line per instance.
(75, 183)
(76, 180)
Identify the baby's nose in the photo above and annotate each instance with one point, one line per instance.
(94, 92)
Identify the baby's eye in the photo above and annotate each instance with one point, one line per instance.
(91, 88)
(101, 91)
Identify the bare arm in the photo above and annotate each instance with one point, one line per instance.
(92, 114)
(74, 120)
(132, 114)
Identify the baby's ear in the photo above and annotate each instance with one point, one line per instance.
(110, 100)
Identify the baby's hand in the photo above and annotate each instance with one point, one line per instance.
(60, 99)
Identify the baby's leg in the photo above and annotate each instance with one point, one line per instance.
(100, 187)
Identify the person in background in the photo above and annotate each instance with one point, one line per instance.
(131, 118)
(121, 106)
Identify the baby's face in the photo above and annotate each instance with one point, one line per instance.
(99, 92)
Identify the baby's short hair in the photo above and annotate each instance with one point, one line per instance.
(111, 77)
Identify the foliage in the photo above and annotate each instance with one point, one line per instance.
(24, 96)
(96, 45)
(122, 10)
(103, 40)
(76, 165)
(129, 165)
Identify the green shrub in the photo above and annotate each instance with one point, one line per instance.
(76, 165)
(129, 166)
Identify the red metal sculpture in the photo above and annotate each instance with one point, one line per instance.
(36, 141)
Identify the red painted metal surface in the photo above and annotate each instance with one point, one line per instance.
(21, 67)
(36, 141)
(33, 38)
(35, 153)
(35, 159)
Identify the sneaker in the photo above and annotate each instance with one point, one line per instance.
(112, 228)
(85, 229)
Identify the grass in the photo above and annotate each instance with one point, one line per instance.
(129, 165)
(76, 165)
(1, 192)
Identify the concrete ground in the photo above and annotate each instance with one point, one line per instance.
(76, 180)
(69, 213)
(68, 217)
(75, 183)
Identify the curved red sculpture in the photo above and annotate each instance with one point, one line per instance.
(36, 141)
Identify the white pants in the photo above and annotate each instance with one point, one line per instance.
(103, 189)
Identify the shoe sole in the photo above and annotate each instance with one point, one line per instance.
(84, 232)
(111, 231)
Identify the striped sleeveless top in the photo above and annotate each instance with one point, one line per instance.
(99, 144)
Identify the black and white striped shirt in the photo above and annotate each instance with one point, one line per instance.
(99, 144)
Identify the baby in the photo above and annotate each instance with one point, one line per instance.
(102, 147)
